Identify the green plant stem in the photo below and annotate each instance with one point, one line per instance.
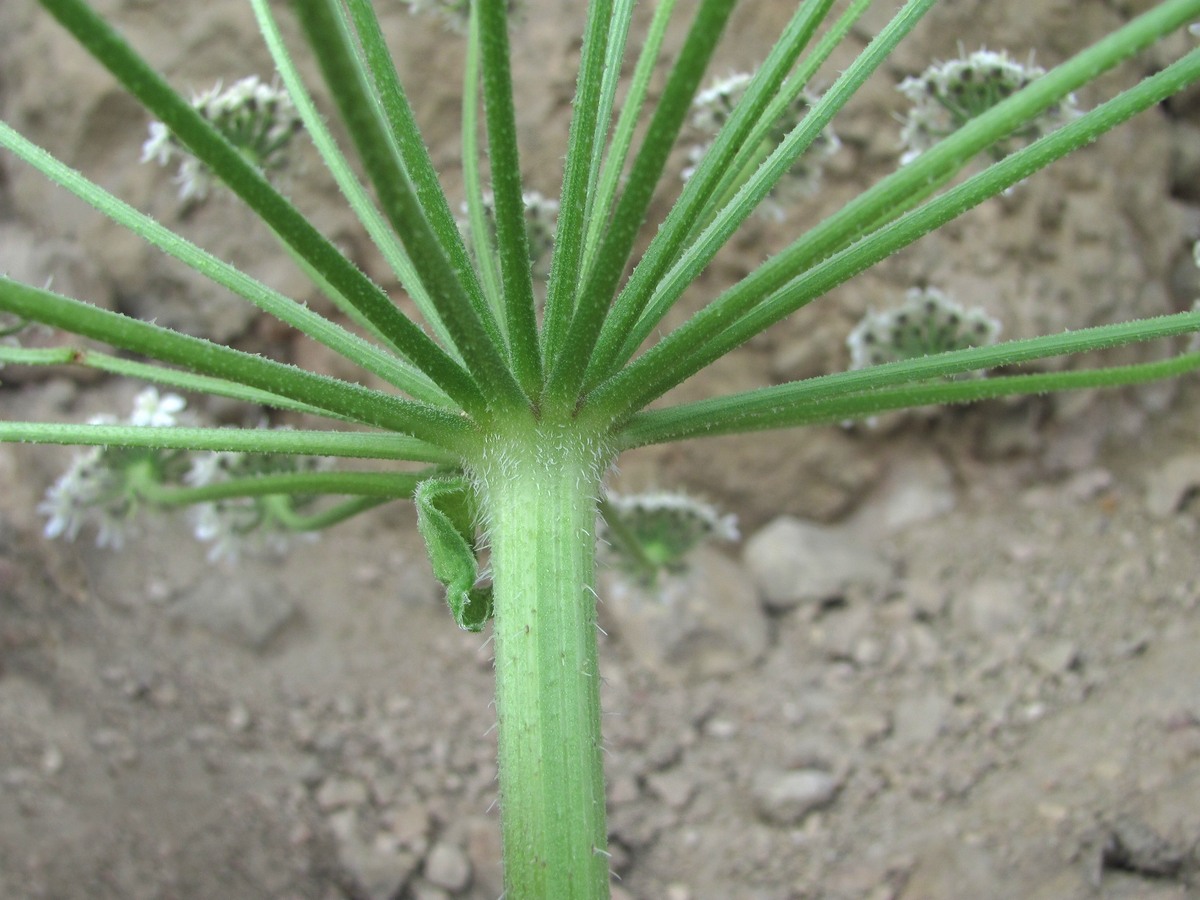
(395, 160)
(585, 140)
(512, 240)
(618, 34)
(683, 353)
(568, 363)
(353, 401)
(618, 150)
(771, 408)
(351, 445)
(752, 151)
(377, 485)
(698, 191)
(176, 378)
(472, 161)
(283, 511)
(339, 167)
(417, 164)
(667, 285)
(100, 39)
(317, 327)
(538, 492)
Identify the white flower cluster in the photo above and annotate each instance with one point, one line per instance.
(949, 94)
(713, 107)
(927, 322)
(541, 223)
(97, 491)
(94, 491)
(235, 525)
(666, 526)
(256, 117)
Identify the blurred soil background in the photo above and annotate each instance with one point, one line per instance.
(989, 687)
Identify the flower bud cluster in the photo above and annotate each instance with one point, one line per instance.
(949, 94)
(713, 107)
(666, 526)
(927, 322)
(256, 117)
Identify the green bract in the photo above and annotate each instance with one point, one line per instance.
(521, 409)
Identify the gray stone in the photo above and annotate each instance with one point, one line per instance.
(703, 622)
(241, 610)
(794, 562)
(1056, 658)
(918, 720)
(447, 867)
(485, 854)
(785, 798)
(423, 890)
(381, 872)
(847, 634)
(339, 792)
(1169, 487)
(993, 607)
(380, 869)
(916, 490)
(674, 788)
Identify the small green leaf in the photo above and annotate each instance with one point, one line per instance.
(445, 517)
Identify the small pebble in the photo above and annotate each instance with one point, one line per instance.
(447, 867)
(785, 798)
(337, 793)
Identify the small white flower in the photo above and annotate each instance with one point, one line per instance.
(151, 408)
(158, 146)
(81, 496)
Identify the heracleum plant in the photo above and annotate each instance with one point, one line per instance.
(517, 413)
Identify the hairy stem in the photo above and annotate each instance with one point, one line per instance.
(539, 502)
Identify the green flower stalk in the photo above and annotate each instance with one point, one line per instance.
(516, 411)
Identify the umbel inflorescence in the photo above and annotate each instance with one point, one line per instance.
(927, 322)
(257, 117)
(713, 107)
(949, 94)
(106, 489)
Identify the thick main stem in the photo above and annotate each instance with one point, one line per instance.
(539, 494)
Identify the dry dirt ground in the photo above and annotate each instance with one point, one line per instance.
(996, 695)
